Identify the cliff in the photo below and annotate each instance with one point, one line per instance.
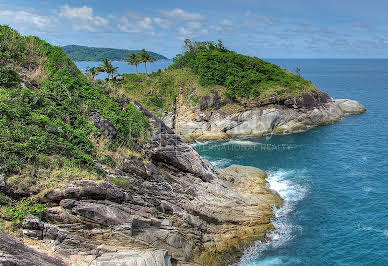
(91, 177)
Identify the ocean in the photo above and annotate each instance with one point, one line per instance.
(334, 178)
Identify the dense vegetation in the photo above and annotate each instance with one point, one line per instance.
(85, 53)
(244, 77)
(45, 127)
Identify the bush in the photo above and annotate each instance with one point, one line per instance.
(21, 209)
(8, 78)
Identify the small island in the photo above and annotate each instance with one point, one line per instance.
(85, 53)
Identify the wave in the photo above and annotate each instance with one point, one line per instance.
(199, 143)
(369, 228)
(221, 163)
(241, 142)
(285, 183)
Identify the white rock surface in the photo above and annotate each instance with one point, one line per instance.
(263, 120)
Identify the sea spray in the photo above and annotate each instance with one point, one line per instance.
(285, 183)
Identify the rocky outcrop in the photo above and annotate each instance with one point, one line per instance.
(179, 209)
(282, 118)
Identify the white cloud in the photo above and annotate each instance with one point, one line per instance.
(224, 26)
(191, 29)
(83, 19)
(174, 17)
(138, 25)
(186, 24)
(27, 19)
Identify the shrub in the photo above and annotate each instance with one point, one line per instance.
(21, 209)
(8, 78)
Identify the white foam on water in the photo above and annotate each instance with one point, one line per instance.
(368, 228)
(199, 143)
(284, 183)
(221, 163)
(241, 142)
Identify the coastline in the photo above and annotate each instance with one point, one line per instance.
(256, 122)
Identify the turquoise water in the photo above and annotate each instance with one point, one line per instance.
(123, 67)
(334, 178)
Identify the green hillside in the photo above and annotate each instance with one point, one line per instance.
(207, 67)
(85, 53)
(47, 136)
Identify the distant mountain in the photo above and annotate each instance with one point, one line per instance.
(85, 53)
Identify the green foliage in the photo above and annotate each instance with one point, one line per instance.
(107, 67)
(19, 210)
(134, 59)
(4, 199)
(53, 121)
(244, 77)
(145, 57)
(122, 182)
(84, 53)
(8, 77)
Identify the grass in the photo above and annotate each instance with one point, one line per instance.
(122, 182)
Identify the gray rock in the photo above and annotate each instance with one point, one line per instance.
(134, 257)
(257, 121)
(103, 124)
(102, 214)
(14, 252)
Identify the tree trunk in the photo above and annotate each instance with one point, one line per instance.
(145, 63)
(137, 72)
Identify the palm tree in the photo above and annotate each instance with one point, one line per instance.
(145, 57)
(92, 72)
(107, 67)
(134, 59)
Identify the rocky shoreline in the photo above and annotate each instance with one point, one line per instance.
(212, 122)
(178, 210)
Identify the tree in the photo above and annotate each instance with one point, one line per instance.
(134, 59)
(297, 70)
(145, 57)
(107, 67)
(92, 72)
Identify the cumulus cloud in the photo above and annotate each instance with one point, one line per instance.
(191, 29)
(134, 23)
(224, 26)
(83, 19)
(170, 18)
(27, 19)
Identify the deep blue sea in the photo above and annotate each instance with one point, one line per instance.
(334, 178)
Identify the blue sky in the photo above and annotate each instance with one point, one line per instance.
(263, 28)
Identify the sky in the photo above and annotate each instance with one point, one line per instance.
(262, 28)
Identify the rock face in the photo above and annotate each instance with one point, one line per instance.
(287, 117)
(14, 252)
(178, 210)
